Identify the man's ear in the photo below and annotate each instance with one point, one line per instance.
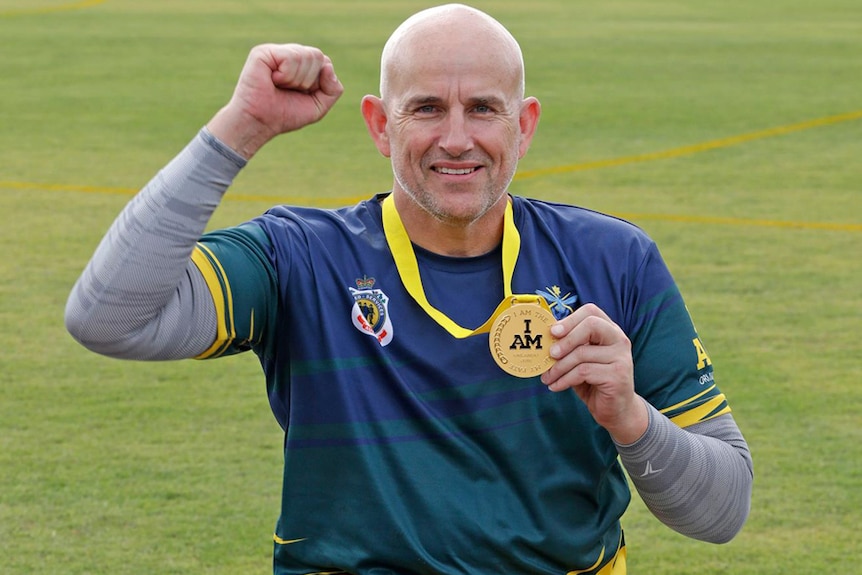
(375, 120)
(528, 121)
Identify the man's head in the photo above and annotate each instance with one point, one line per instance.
(452, 115)
(435, 30)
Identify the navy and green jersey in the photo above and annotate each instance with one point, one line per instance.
(410, 451)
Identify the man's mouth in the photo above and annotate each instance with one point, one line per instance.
(454, 171)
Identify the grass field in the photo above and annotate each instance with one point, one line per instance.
(731, 131)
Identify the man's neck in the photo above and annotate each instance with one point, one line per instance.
(447, 238)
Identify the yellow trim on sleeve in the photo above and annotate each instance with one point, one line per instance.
(702, 412)
(687, 401)
(206, 262)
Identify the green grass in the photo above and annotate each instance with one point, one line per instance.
(123, 467)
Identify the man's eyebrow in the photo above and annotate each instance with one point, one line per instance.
(422, 100)
(491, 101)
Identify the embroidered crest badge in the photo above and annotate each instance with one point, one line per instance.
(370, 313)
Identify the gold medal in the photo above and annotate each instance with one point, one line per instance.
(520, 338)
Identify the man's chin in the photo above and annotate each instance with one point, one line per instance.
(461, 213)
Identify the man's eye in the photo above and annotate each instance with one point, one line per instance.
(426, 109)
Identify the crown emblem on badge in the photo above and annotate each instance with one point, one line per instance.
(365, 282)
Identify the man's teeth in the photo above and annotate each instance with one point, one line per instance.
(454, 172)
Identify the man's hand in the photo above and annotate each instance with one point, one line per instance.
(282, 88)
(594, 358)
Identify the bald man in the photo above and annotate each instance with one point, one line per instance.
(409, 342)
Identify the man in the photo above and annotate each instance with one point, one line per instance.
(414, 444)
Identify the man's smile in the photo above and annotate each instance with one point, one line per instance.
(455, 171)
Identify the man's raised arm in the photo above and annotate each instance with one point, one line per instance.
(140, 296)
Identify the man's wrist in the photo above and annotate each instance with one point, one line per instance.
(242, 134)
(634, 426)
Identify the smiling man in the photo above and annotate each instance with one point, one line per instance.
(414, 444)
(454, 124)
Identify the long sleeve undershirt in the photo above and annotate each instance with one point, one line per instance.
(140, 297)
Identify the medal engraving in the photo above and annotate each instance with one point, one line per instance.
(520, 340)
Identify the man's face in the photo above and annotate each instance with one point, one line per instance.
(453, 127)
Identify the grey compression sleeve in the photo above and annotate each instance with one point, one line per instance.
(140, 296)
(697, 480)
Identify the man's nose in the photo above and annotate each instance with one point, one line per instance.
(455, 137)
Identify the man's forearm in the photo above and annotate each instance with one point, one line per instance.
(140, 296)
(697, 480)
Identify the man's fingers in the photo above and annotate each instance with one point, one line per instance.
(585, 354)
(296, 67)
(589, 330)
(329, 83)
(576, 317)
(582, 376)
(589, 349)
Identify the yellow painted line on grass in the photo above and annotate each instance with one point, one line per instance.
(50, 9)
(694, 148)
(337, 202)
(231, 196)
(718, 220)
(67, 188)
(609, 163)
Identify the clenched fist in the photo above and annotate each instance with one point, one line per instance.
(282, 88)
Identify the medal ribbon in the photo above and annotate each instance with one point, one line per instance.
(408, 269)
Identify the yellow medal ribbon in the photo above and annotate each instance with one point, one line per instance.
(408, 268)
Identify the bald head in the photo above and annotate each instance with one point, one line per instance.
(449, 35)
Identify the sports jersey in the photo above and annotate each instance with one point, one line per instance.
(411, 451)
